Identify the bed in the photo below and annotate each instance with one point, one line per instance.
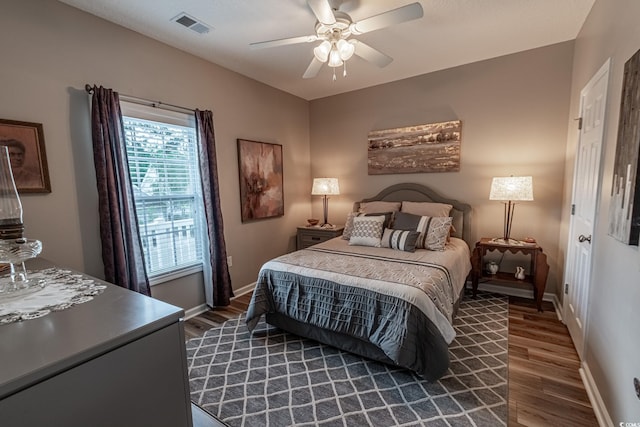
(385, 304)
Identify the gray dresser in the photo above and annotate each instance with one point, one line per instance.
(118, 360)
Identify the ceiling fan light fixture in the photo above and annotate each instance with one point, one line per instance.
(321, 52)
(346, 49)
(334, 28)
(334, 57)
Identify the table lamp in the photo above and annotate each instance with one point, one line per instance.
(511, 189)
(325, 187)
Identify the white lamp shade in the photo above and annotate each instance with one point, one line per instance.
(334, 57)
(325, 187)
(512, 188)
(321, 52)
(346, 49)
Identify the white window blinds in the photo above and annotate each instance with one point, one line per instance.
(163, 163)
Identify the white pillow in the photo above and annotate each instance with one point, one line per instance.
(367, 231)
(379, 206)
(426, 208)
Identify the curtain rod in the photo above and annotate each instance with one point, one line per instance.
(143, 101)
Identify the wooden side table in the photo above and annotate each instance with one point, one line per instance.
(538, 271)
(309, 236)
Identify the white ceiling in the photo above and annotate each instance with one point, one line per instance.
(451, 33)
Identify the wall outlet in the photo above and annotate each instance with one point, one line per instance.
(230, 261)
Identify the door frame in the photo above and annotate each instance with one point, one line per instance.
(605, 68)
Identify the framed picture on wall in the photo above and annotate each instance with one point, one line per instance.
(261, 180)
(433, 147)
(25, 142)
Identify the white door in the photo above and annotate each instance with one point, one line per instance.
(586, 188)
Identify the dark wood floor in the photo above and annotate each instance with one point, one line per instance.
(545, 388)
(196, 326)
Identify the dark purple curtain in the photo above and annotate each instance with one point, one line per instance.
(121, 248)
(218, 290)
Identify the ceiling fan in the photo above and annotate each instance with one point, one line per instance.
(333, 30)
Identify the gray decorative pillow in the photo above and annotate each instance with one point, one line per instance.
(403, 240)
(367, 231)
(433, 230)
(348, 226)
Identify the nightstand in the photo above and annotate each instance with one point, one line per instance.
(538, 270)
(309, 236)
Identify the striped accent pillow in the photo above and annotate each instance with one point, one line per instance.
(433, 230)
(403, 240)
(367, 231)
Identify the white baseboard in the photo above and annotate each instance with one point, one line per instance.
(194, 311)
(515, 292)
(557, 306)
(244, 290)
(599, 408)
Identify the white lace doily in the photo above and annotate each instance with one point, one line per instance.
(63, 289)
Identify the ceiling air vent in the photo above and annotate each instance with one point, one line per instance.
(192, 23)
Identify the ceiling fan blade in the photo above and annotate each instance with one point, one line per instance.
(386, 19)
(313, 69)
(370, 54)
(283, 42)
(322, 10)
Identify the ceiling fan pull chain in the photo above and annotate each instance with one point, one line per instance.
(334, 74)
(344, 70)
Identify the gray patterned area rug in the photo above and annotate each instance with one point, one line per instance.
(278, 379)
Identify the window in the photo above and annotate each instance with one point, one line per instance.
(163, 163)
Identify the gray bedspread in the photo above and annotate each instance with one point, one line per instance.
(400, 302)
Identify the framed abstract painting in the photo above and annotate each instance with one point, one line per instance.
(624, 210)
(261, 180)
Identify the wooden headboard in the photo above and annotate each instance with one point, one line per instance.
(411, 192)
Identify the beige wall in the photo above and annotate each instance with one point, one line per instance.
(612, 345)
(514, 112)
(50, 50)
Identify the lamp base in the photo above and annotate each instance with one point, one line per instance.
(325, 211)
(14, 253)
(509, 208)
